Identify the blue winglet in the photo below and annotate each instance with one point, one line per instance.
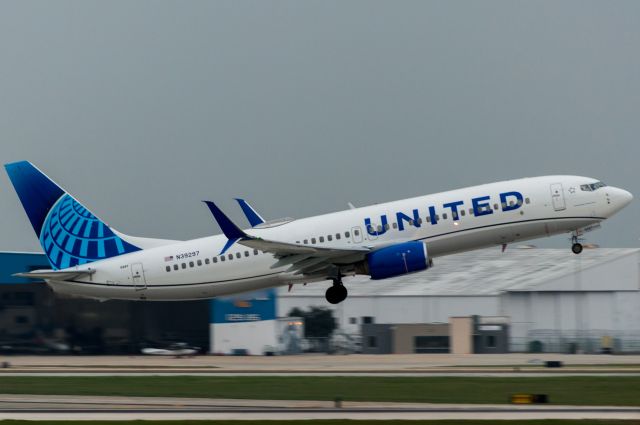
(253, 217)
(230, 230)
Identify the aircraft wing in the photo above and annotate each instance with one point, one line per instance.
(54, 274)
(304, 259)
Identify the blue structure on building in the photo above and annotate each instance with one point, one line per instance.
(19, 262)
(32, 316)
(30, 311)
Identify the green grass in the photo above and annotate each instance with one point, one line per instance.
(578, 390)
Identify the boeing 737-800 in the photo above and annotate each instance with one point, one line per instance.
(88, 258)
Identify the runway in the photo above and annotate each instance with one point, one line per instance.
(27, 407)
(447, 373)
(505, 365)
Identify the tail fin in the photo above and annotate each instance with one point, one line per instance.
(69, 233)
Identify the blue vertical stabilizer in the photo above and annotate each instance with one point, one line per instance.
(69, 233)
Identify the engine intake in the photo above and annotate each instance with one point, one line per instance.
(396, 260)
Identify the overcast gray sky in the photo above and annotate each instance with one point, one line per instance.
(143, 108)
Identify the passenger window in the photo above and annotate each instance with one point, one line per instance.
(306, 241)
(519, 202)
(223, 258)
(420, 220)
(511, 203)
(428, 219)
(191, 264)
(338, 236)
(454, 216)
(504, 205)
(527, 201)
(321, 239)
(313, 240)
(379, 228)
(199, 262)
(386, 226)
(246, 253)
(175, 267)
(395, 225)
(410, 222)
(329, 238)
(255, 252)
(206, 261)
(462, 212)
(346, 234)
(215, 259)
(495, 207)
(238, 255)
(168, 268)
(184, 265)
(230, 256)
(356, 232)
(444, 216)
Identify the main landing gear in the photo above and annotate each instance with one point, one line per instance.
(336, 293)
(576, 246)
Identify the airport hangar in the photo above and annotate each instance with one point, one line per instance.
(537, 299)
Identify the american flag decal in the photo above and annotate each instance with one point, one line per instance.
(169, 258)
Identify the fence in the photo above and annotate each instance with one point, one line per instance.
(593, 341)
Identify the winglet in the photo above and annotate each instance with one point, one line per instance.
(230, 230)
(253, 217)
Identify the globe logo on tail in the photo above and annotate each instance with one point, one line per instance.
(72, 235)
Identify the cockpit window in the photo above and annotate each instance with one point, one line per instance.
(591, 187)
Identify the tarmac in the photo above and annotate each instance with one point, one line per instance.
(322, 364)
(40, 407)
(27, 407)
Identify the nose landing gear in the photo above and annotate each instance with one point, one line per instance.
(336, 293)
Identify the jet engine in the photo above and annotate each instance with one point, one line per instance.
(396, 260)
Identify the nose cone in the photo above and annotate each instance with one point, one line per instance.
(620, 198)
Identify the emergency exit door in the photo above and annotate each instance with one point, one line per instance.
(137, 276)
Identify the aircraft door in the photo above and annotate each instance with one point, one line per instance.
(356, 234)
(557, 197)
(137, 276)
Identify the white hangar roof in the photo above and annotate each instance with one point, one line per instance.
(490, 272)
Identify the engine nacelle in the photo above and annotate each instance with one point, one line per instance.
(397, 260)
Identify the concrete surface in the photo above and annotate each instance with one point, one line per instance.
(325, 364)
(125, 408)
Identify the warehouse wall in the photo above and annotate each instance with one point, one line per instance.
(396, 309)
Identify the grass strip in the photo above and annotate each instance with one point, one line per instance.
(570, 390)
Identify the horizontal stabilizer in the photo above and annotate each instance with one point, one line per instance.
(54, 274)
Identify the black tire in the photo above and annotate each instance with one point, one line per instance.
(332, 295)
(342, 292)
(336, 294)
(576, 248)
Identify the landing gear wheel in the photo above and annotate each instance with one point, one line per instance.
(336, 294)
(576, 248)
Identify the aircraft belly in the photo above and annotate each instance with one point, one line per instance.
(168, 292)
(504, 234)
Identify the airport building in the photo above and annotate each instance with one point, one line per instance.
(549, 299)
(483, 301)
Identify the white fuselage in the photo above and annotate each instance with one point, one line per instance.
(194, 269)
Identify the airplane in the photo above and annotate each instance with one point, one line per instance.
(91, 259)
